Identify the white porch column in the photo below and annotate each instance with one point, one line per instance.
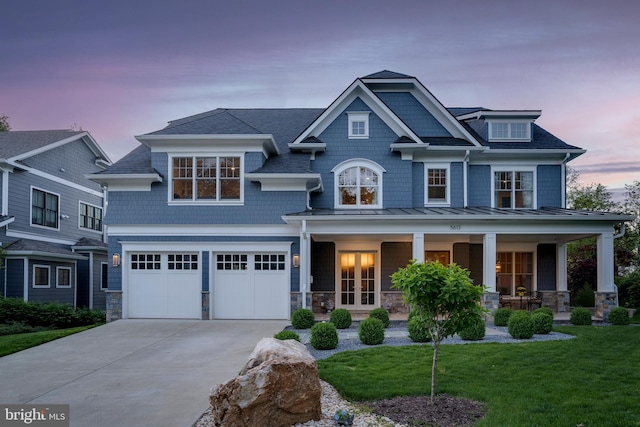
(605, 262)
(418, 247)
(561, 270)
(489, 261)
(305, 263)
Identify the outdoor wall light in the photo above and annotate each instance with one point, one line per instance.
(295, 260)
(116, 260)
(498, 267)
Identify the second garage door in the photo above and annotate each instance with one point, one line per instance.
(251, 286)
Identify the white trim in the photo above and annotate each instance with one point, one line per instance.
(514, 169)
(5, 192)
(204, 230)
(58, 285)
(351, 163)
(25, 280)
(447, 168)
(358, 116)
(211, 143)
(284, 181)
(38, 237)
(530, 114)
(80, 203)
(126, 182)
(33, 276)
(58, 213)
(368, 247)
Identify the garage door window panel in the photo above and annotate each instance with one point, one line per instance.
(269, 262)
(182, 261)
(145, 262)
(231, 262)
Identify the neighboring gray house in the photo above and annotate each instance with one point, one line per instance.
(51, 224)
(252, 213)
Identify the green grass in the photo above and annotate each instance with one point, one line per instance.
(17, 342)
(591, 380)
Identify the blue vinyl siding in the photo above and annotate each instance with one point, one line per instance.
(457, 185)
(51, 294)
(418, 184)
(15, 278)
(410, 111)
(479, 185)
(550, 186)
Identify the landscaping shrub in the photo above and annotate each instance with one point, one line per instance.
(287, 335)
(381, 314)
(474, 332)
(584, 297)
(545, 310)
(324, 336)
(580, 316)
(341, 318)
(417, 328)
(302, 318)
(520, 325)
(619, 316)
(501, 316)
(542, 322)
(629, 289)
(19, 328)
(48, 315)
(371, 331)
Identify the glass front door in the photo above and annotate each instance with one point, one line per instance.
(357, 288)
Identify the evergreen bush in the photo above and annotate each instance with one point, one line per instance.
(580, 316)
(501, 316)
(542, 322)
(418, 329)
(520, 325)
(371, 331)
(545, 310)
(381, 314)
(341, 318)
(324, 336)
(475, 332)
(302, 318)
(619, 316)
(51, 315)
(287, 335)
(584, 297)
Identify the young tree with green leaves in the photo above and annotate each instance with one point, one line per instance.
(445, 298)
(4, 123)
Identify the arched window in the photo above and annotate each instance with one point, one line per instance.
(358, 184)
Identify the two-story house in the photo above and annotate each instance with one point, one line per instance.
(51, 217)
(252, 213)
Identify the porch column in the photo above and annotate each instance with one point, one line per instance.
(418, 247)
(305, 265)
(606, 296)
(562, 300)
(489, 261)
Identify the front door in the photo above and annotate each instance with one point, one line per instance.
(357, 288)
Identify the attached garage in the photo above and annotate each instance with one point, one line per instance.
(165, 285)
(251, 285)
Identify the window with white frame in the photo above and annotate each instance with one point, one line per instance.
(41, 276)
(437, 184)
(90, 217)
(44, 208)
(358, 125)
(509, 130)
(358, 184)
(514, 273)
(207, 179)
(514, 189)
(63, 277)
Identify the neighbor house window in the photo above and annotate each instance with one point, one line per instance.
(90, 217)
(437, 188)
(216, 179)
(513, 189)
(44, 208)
(514, 270)
(506, 130)
(41, 276)
(358, 125)
(63, 277)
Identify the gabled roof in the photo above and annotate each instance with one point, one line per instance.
(86, 244)
(386, 74)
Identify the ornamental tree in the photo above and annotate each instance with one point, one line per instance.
(445, 298)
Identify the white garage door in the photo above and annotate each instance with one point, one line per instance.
(251, 286)
(165, 285)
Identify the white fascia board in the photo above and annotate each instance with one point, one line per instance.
(532, 154)
(285, 181)
(226, 230)
(7, 221)
(523, 114)
(126, 182)
(96, 149)
(33, 236)
(44, 255)
(311, 147)
(196, 142)
(131, 246)
(337, 107)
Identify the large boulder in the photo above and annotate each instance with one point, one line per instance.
(279, 386)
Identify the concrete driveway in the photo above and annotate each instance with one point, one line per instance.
(147, 373)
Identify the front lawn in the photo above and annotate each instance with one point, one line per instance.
(591, 380)
(17, 342)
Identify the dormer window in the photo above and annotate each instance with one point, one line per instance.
(358, 125)
(509, 130)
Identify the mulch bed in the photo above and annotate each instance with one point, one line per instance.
(445, 411)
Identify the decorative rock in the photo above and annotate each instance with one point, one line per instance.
(279, 386)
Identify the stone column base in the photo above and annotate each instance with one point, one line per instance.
(114, 305)
(563, 302)
(323, 301)
(393, 303)
(491, 301)
(205, 305)
(605, 302)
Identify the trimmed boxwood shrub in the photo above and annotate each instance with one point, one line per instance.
(546, 310)
(520, 325)
(474, 332)
(619, 316)
(341, 318)
(371, 331)
(501, 316)
(542, 322)
(51, 315)
(287, 335)
(324, 336)
(580, 316)
(302, 318)
(381, 314)
(417, 328)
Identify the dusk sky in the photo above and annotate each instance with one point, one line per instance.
(123, 68)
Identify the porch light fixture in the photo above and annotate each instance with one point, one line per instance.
(498, 267)
(295, 260)
(116, 260)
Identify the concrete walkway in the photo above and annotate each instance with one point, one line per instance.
(146, 373)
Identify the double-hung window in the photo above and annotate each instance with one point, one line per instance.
(44, 208)
(41, 276)
(437, 185)
(514, 189)
(63, 277)
(207, 179)
(358, 185)
(90, 217)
